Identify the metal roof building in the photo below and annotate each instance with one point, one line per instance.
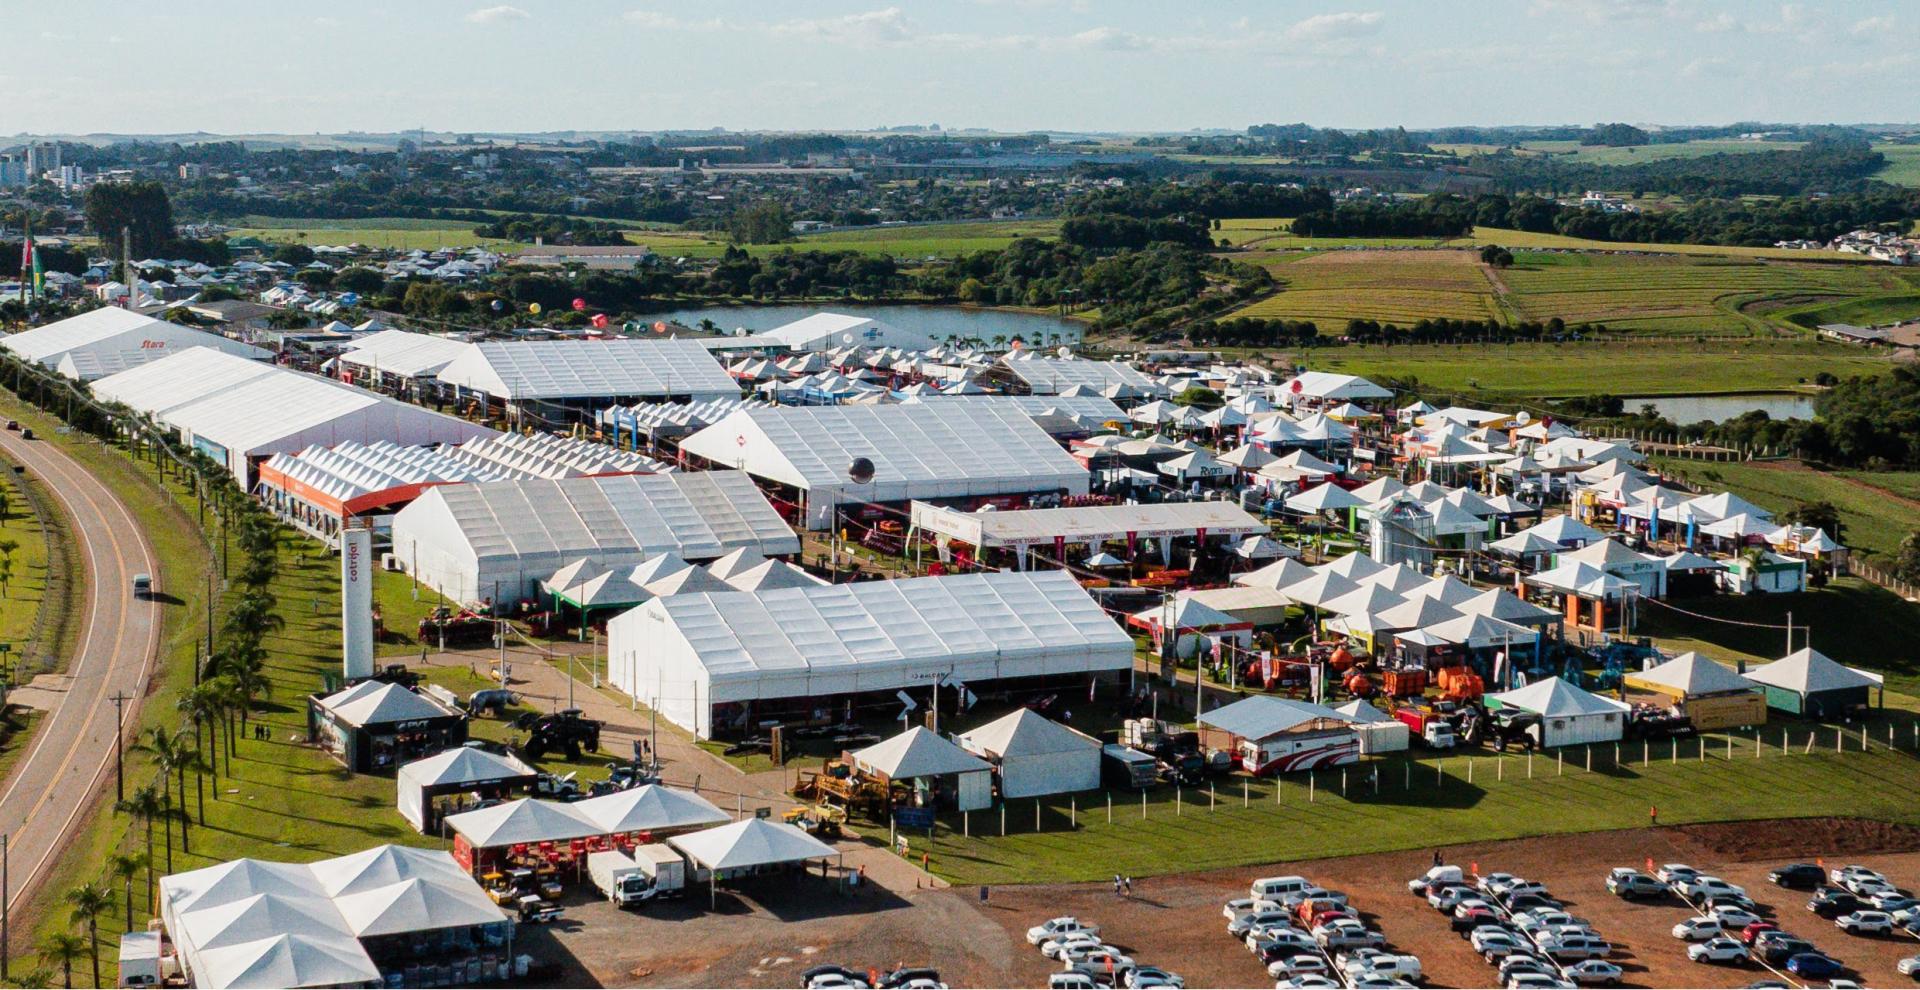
(109, 339)
(826, 331)
(238, 411)
(602, 371)
(929, 450)
(703, 660)
(469, 540)
(1049, 375)
(401, 354)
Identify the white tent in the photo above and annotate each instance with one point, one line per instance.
(1569, 716)
(649, 808)
(946, 448)
(1277, 575)
(468, 540)
(686, 653)
(826, 331)
(1034, 755)
(1323, 587)
(1691, 675)
(403, 353)
(1355, 567)
(467, 767)
(751, 843)
(1481, 632)
(1565, 532)
(1810, 683)
(1616, 558)
(561, 370)
(521, 822)
(918, 752)
(115, 338)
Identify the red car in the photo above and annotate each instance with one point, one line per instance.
(1754, 931)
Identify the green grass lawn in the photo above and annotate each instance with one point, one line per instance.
(1499, 803)
(1894, 307)
(903, 242)
(1904, 483)
(1587, 154)
(397, 233)
(1874, 524)
(1903, 164)
(1646, 367)
(22, 597)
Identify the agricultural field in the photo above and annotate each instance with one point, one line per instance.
(1903, 164)
(1870, 311)
(398, 233)
(1391, 286)
(1517, 240)
(1673, 295)
(1274, 234)
(1654, 366)
(1667, 295)
(906, 242)
(1598, 155)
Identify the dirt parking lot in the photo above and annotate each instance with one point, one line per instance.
(774, 929)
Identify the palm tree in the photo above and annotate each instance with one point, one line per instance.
(145, 804)
(249, 683)
(89, 902)
(254, 615)
(168, 750)
(61, 949)
(124, 868)
(205, 706)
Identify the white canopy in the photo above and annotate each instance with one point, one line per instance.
(1584, 580)
(1808, 671)
(527, 820)
(648, 808)
(380, 703)
(1359, 712)
(1025, 732)
(1691, 675)
(590, 369)
(464, 765)
(918, 752)
(750, 843)
(1262, 716)
(1480, 632)
(1276, 575)
(1327, 497)
(1554, 697)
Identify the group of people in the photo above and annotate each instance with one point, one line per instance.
(1122, 886)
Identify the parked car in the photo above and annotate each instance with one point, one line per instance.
(1672, 873)
(1777, 951)
(1802, 876)
(1421, 885)
(1698, 928)
(1476, 918)
(1865, 923)
(1143, 977)
(1387, 965)
(1814, 966)
(1537, 981)
(1909, 966)
(1841, 874)
(1443, 899)
(1493, 883)
(1524, 963)
(1575, 947)
(1720, 950)
(1891, 901)
(1594, 973)
(1310, 981)
(906, 977)
(1247, 905)
(1239, 927)
(1533, 902)
(1104, 959)
(1057, 948)
(1733, 918)
(1752, 933)
(1283, 943)
(1344, 933)
(1832, 902)
(1059, 926)
(1300, 965)
(835, 981)
(1073, 952)
(1702, 887)
(1072, 981)
(1496, 943)
(1631, 885)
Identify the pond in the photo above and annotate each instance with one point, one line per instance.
(935, 321)
(1685, 409)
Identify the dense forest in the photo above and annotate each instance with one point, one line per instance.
(1826, 165)
(1211, 199)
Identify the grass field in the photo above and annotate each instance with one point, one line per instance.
(1412, 808)
(1523, 239)
(1903, 483)
(1668, 294)
(1903, 164)
(21, 598)
(1897, 307)
(398, 233)
(1597, 155)
(907, 243)
(1398, 287)
(1649, 367)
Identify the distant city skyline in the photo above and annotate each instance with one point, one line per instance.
(1010, 65)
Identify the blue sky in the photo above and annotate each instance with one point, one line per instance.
(529, 65)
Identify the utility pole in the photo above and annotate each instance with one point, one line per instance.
(119, 738)
(6, 909)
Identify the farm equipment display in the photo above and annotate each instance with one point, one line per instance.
(563, 731)
(839, 784)
(822, 821)
(463, 628)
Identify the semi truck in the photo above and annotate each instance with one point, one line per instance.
(619, 877)
(1430, 726)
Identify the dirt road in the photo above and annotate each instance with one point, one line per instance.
(71, 754)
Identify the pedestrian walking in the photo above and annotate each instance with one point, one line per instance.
(1437, 860)
(1116, 885)
(1127, 882)
(1653, 815)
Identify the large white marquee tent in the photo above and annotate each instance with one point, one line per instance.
(466, 540)
(577, 370)
(238, 411)
(829, 331)
(684, 654)
(930, 450)
(111, 338)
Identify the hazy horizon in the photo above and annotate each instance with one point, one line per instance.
(1125, 66)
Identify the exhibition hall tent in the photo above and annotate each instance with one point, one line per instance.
(1035, 755)
(584, 370)
(403, 354)
(112, 339)
(236, 410)
(827, 331)
(468, 540)
(1047, 375)
(927, 450)
(683, 654)
(456, 771)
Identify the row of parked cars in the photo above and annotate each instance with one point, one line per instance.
(1520, 929)
(833, 977)
(1090, 963)
(1311, 937)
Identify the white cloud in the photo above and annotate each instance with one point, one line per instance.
(667, 22)
(492, 15)
(1329, 27)
(878, 27)
(1109, 39)
(1872, 27)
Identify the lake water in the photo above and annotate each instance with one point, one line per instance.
(1684, 409)
(935, 321)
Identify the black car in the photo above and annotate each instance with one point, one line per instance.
(1778, 950)
(1534, 902)
(1832, 902)
(1805, 876)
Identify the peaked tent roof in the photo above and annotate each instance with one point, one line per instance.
(1262, 715)
(752, 842)
(1276, 575)
(1499, 603)
(919, 752)
(382, 704)
(1692, 674)
(464, 765)
(416, 904)
(1359, 712)
(589, 369)
(1555, 697)
(1327, 497)
(1480, 631)
(1025, 732)
(648, 808)
(1808, 671)
(523, 821)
